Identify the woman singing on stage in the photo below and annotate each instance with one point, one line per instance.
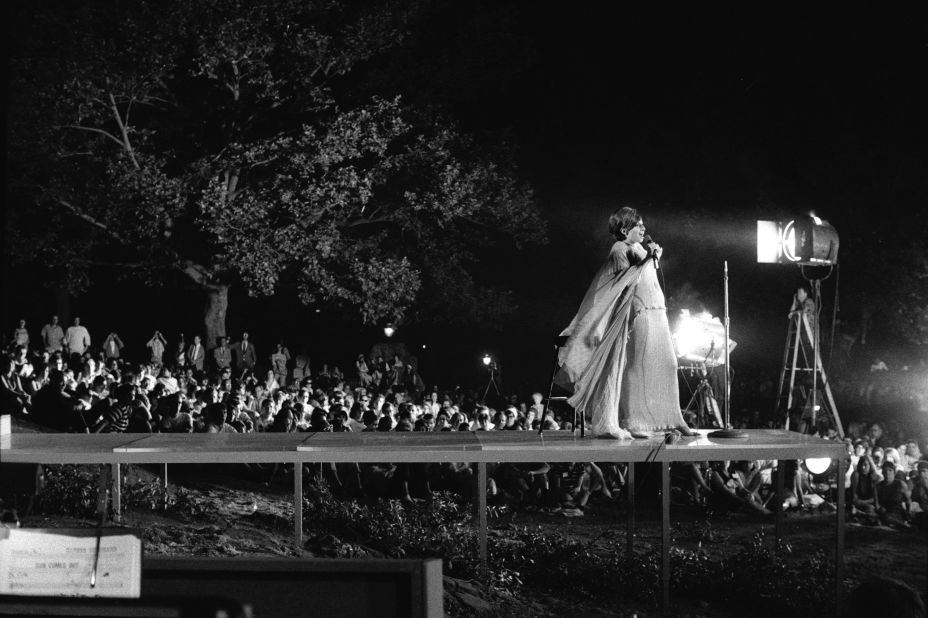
(619, 359)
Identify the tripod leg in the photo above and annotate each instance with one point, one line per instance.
(544, 412)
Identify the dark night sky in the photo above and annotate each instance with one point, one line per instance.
(705, 121)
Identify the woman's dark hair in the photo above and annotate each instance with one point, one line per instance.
(283, 421)
(622, 220)
(215, 414)
(318, 420)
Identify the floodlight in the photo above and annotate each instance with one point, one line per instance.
(818, 465)
(388, 330)
(807, 240)
(487, 360)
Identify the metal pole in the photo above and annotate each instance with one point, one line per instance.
(816, 287)
(727, 431)
(727, 365)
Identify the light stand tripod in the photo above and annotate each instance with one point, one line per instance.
(704, 399)
(493, 368)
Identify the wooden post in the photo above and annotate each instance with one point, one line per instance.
(665, 535)
(480, 499)
(165, 505)
(630, 516)
(778, 507)
(839, 539)
(298, 504)
(116, 482)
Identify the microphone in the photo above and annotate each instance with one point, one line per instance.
(648, 241)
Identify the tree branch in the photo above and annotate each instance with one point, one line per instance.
(199, 274)
(125, 134)
(80, 214)
(126, 265)
(366, 221)
(92, 130)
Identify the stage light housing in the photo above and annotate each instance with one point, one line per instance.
(807, 240)
(818, 465)
(699, 339)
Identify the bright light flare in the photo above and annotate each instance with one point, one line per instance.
(699, 338)
(769, 243)
(818, 465)
(487, 360)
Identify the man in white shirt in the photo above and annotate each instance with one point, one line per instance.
(76, 338)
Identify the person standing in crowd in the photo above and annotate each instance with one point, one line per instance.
(52, 336)
(243, 355)
(76, 338)
(179, 356)
(156, 346)
(21, 335)
(112, 346)
(279, 360)
(222, 356)
(619, 358)
(196, 354)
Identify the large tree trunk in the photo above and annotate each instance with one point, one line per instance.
(214, 315)
(217, 300)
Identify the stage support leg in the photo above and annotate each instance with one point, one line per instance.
(298, 504)
(480, 516)
(839, 538)
(117, 492)
(165, 505)
(630, 517)
(104, 482)
(665, 535)
(778, 507)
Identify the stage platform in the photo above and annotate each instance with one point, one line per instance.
(478, 448)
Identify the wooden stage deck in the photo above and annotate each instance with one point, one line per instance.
(478, 448)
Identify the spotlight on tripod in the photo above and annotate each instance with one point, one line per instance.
(493, 367)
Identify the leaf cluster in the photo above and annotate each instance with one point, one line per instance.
(226, 135)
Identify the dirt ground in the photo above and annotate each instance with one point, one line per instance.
(244, 518)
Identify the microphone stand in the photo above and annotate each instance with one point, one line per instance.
(727, 431)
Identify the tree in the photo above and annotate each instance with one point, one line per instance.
(213, 140)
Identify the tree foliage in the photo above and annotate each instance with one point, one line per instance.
(224, 140)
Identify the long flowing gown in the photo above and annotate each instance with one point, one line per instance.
(618, 358)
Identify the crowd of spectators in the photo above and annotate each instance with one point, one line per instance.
(65, 381)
